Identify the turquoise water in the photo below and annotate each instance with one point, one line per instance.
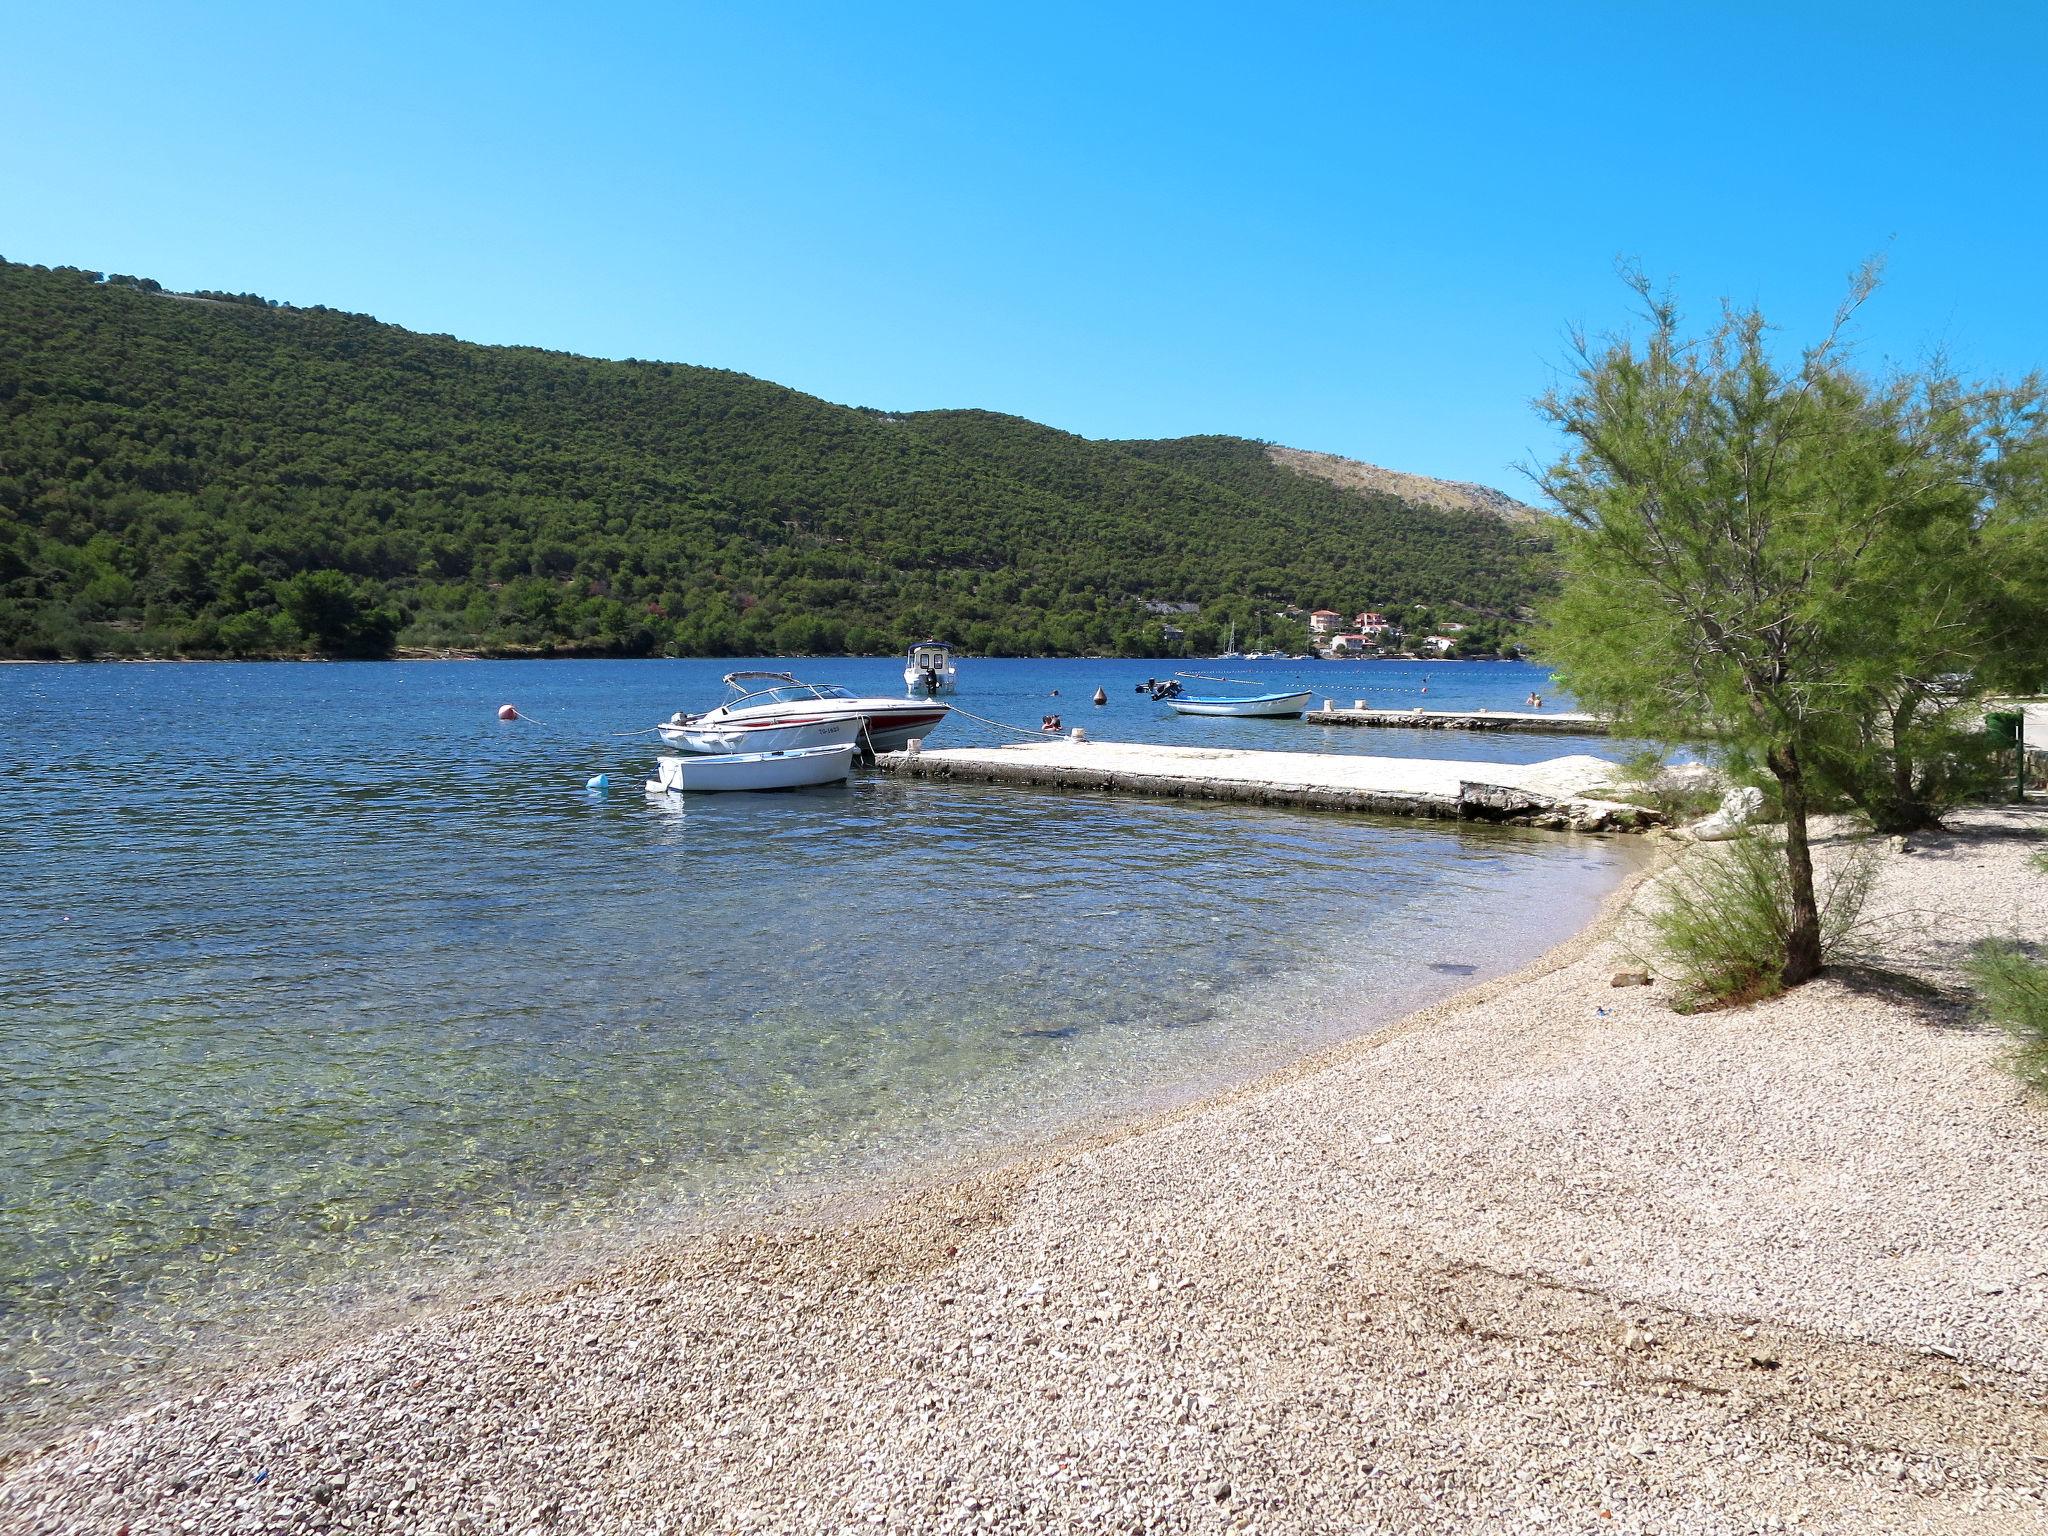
(319, 986)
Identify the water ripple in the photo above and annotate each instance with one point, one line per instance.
(316, 978)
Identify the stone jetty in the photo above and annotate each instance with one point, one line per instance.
(1553, 722)
(1562, 794)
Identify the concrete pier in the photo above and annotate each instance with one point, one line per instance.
(1559, 794)
(1554, 722)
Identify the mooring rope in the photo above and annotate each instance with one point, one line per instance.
(998, 724)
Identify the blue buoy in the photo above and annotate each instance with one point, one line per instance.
(600, 783)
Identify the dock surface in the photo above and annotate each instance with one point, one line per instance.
(1560, 793)
(1554, 722)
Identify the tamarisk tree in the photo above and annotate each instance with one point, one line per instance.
(1807, 564)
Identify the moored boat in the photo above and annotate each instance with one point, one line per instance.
(1269, 706)
(930, 668)
(689, 734)
(1258, 706)
(879, 724)
(730, 771)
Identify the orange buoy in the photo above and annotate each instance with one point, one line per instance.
(507, 712)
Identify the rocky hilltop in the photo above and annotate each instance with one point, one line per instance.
(1444, 495)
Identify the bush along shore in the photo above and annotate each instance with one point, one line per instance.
(1553, 1255)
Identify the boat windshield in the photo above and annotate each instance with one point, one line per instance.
(790, 693)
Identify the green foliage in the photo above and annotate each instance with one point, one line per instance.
(1483, 577)
(1797, 560)
(2013, 988)
(1681, 796)
(177, 469)
(1724, 927)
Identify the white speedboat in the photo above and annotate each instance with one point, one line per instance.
(687, 734)
(929, 668)
(879, 724)
(753, 770)
(1256, 706)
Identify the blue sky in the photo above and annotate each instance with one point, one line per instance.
(1359, 228)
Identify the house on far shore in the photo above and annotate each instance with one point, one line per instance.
(1441, 645)
(1371, 623)
(1172, 634)
(1352, 645)
(1324, 621)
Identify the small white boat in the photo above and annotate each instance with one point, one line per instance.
(753, 770)
(930, 668)
(1257, 706)
(1265, 706)
(880, 724)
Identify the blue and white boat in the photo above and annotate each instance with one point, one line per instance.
(1255, 706)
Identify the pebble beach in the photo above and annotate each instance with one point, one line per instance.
(1546, 1257)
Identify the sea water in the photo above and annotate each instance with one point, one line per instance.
(321, 988)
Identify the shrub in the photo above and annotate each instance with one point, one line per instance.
(2012, 987)
(1681, 795)
(1722, 933)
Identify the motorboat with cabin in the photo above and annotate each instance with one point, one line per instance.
(789, 714)
(732, 771)
(930, 669)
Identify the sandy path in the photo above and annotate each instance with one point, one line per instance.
(1515, 1265)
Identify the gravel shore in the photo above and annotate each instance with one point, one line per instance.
(1546, 1258)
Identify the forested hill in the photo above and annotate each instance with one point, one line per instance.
(215, 474)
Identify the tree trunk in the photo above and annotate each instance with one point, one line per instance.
(1906, 809)
(1802, 938)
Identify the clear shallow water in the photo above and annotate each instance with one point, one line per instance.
(318, 985)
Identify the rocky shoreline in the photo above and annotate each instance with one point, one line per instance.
(1546, 1257)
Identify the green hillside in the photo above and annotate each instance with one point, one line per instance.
(216, 475)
